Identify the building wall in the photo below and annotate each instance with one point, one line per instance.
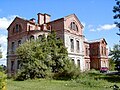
(87, 55)
(26, 30)
(75, 54)
(58, 27)
(99, 54)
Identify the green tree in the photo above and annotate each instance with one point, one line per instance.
(58, 52)
(32, 61)
(62, 67)
(45, 57)
(115, 53)
(111, 64)
(0, 52)
(116, 10)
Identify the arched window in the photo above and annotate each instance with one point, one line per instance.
(18, 64)
(78, 63)
(13, 30)
(19, 42)
(13, 46)
(73, 26)
(73, 61)
(40, 37)
(104, 50)
(31, 37)
(72, 45)
(17, 28)
(12, 66)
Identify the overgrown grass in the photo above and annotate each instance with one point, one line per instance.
(92, 80)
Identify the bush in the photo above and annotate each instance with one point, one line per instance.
(70, 71)
(2, 81)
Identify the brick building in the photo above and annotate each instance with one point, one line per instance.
(69, 29)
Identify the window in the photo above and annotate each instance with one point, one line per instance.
(78, 46)
(17, 28)
(72, 45)
(13, 30)
(86, 49)
(12, 65)
(31, 37)
(78, 63)
(73, 26)
(30, 28)
(73, 61)
(13, 47)
(19, 42)
(40, 37)
(18, 64)
(102, 50)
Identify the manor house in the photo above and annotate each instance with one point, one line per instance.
(85, 54)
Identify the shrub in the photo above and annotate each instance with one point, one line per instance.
(2, 81)
(70, 71)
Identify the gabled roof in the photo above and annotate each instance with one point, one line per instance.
(73, 15)
(68, 16)
(14, 21)
(20, 19)
(97, 40)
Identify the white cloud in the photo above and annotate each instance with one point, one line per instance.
(3, 42)
(5, 22)
(90, 26)
(106, 27)
(92, 30)
(101, 27)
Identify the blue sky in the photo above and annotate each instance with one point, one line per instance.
(95, 15)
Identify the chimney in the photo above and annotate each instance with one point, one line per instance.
(46, 18)
(32, 19)
(40, 18)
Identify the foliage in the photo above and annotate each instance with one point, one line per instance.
(2, 81)
(92, 80)
(1, 69)
(115, 53)
(116, 10)
(32, 61)
(40, 60)
(111, 64)
(70, 71)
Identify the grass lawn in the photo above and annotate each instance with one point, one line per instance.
(48, 85)
(91, 81)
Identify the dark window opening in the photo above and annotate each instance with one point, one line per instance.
(19, 42)
(17, 27)
(73, 26)
(73, 61)
(12, 65)
(13, 46)
(72, 45)
(78, 45)
(78, 62)
(40, 37)
(31, 37)
(18, 64)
